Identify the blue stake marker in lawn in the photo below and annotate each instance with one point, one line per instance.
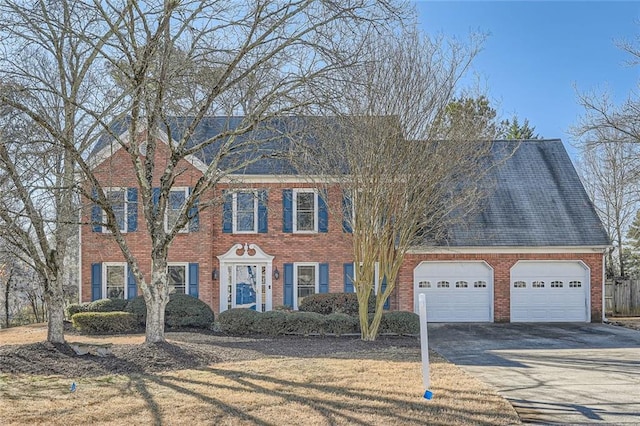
(73, 387)
(424, 345)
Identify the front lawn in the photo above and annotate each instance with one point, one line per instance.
(233, 380)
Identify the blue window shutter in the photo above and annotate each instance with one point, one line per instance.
(383, 287)
(155, 199)
(324, 278)
(347, 213)
(132, 209)
(262, 212)
(288, 284)
(194, 278)
(287, 211)
(96, 281)
(348, 277)
(227, 212)
(132, 287)
(194, 216)
(323, 215)
(96, 214)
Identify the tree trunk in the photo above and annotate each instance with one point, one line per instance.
(156, 298)
(6, 303)
(55, 303)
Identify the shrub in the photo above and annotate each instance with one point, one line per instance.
(187, 311)
(182, 311)
(104, 322)
(238, 320)
(305, 323)
(76, 308)
(329, 303)
(338, 323)
(400, 322)
(272, 323)
(107, 305)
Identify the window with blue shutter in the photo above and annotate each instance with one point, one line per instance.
(348, 277)
(96, 214)
(96, 281)
(323, 215)
(287, 214)
(132, 209)
(263, 224)
(194, 277)
(288, 284)
(227, 212)
(383, 287)
(347, 213)
(132, 288)
(324, 278)
(194, 216)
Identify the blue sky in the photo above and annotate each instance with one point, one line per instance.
(537, 52)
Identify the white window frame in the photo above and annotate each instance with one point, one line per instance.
(316, 265)
(234, 210)
(295, 210)
(105, 265)
(125, 221)
(185, 229)
(186, 273)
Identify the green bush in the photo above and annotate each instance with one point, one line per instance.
(107, 305)
(238, 320)
(272, 323)
(305, 323)
(187, 311)
(76, 308)
(104, 322)
(329, 303)
(340, 324)
(182, 311)
(400, 322)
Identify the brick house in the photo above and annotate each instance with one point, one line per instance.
(534, 253)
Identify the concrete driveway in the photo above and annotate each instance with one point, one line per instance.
(551, 373)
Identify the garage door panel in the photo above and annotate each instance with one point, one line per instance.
(455, 291)
(548, 291)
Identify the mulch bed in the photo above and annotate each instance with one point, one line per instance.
(188, 350)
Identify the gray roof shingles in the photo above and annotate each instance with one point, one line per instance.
(536, 197)
(536, 200)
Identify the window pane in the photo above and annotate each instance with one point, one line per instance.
(305, 221)
(117, 200)
(306, 200)
(115, 281)
(306, 282)
(176, 201)
(176, 275)
(245, 211)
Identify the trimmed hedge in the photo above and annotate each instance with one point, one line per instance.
(182, 311)
(339, 324)
(238, 320)
(76, 308)
(104, 322)
(400, 322)
(271, 323)
(305, 323)
(329, 303)
(107, 305)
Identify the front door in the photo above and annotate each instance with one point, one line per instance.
(247, 287)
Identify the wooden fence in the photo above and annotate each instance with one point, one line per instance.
(622, 297)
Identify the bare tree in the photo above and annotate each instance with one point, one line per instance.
(407, 174)
(160, 59)
(610, 173)
(608, 136)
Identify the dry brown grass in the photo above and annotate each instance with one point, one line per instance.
(376, 389)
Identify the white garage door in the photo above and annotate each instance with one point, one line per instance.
(455, 291)
(547, 291)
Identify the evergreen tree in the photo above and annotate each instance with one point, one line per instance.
(511, 129)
